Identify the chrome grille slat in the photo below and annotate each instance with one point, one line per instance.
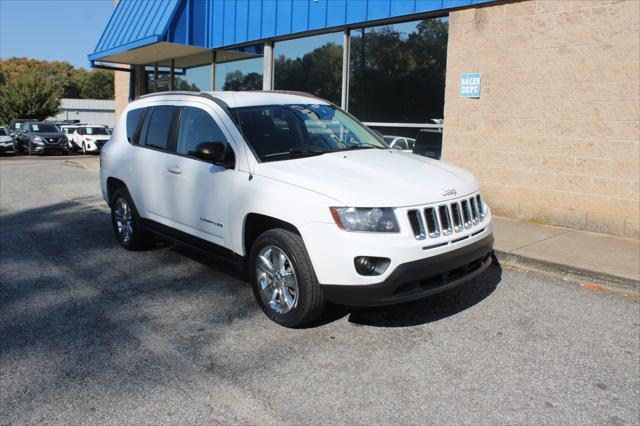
(447, 218)
(431, 220)
(475, 216)
(466, 213)
(480, 206)
(457, 217)
(416, 224)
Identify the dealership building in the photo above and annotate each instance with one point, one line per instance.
(538, 98)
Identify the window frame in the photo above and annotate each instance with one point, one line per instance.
(171, 143)
(177, 132)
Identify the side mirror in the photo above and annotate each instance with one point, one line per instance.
(217, 153)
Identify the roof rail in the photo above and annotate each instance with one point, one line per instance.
(172, 92)
(291, 92)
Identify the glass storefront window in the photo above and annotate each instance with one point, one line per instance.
(398, 71)
(164, 77)
(310, 64)
(193, 72)
(240, 69)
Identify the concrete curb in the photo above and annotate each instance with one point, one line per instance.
(627, 285)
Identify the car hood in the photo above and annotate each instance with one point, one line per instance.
(6, 139)
(98, 137)
(373, 177)
(48, 135)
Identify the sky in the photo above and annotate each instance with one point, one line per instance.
(60, 30)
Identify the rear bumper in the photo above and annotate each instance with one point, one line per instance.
(419, 278)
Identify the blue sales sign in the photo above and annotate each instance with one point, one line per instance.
(470, 85)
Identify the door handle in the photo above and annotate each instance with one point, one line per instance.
(174, 169)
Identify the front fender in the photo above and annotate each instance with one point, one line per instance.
(289, 203)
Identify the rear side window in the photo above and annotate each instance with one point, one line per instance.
(133, 121)
(196, 126)
(159, 126)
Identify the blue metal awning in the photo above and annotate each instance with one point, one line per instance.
(134, 24)
(149, 31)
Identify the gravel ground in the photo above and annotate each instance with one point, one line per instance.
(91, 333)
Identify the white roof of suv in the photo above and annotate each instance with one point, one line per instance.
(252, 98)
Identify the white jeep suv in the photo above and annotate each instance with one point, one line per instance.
(311, 202)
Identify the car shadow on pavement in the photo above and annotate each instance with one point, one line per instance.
(422, 311)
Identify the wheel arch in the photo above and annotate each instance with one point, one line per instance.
(114, 184)
(256, 223)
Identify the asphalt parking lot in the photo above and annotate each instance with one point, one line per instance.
(91, 333)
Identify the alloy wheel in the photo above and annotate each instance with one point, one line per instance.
(277, 280)
(124, 220)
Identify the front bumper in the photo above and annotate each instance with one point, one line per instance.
(49, 148)
(7, 147)
(419, 278)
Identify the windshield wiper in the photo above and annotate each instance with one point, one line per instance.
(295, 151)
(354, 146)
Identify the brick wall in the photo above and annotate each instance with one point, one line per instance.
(121, 87)
(554, 137)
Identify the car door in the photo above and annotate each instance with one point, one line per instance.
(201, 190)
(152, 164)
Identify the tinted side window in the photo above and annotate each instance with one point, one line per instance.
(196, 126)
(133, 119)
(159, 126)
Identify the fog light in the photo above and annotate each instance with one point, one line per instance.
(371, 265)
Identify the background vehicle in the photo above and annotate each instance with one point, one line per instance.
(310, 200)
(16, 124)
(7, 144)
(69, 130)
(400, 142)
(38, 138)
(90, 138)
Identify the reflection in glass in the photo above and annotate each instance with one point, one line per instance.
(194, 79)
(243, 74)
(311, 64)
(398, 71)
(164, 77)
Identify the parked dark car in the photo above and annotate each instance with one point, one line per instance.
(7, 145)
(14, 126)
(40, 138)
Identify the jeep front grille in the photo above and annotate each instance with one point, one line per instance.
(446, 219)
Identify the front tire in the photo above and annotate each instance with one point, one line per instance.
(126, 222)
(283, 279)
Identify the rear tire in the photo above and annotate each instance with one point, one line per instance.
(284, 282)
(126, 222)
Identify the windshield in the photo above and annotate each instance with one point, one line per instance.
(3, 132)
(69, 129)
(44, 128)
(97, 131)
(279, 132)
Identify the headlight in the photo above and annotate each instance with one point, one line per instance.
(365, 220)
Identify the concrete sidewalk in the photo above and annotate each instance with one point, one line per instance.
(598, 258)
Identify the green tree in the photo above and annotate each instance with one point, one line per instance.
(97, 84)
(75, 82)
(33, 95)
(237, 80)
(318, 72)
